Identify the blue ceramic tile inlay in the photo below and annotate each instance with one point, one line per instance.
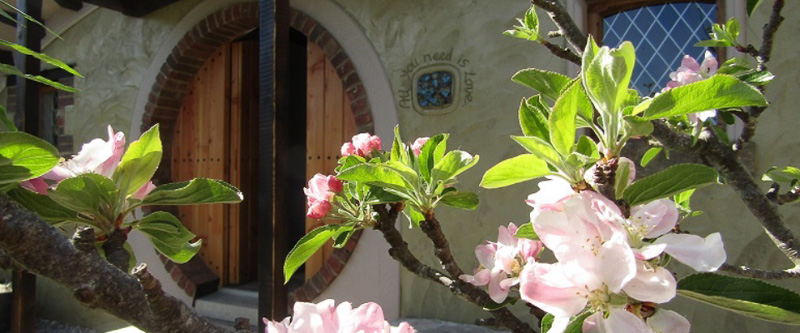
(435, 89)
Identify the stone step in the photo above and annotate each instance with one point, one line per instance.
(228, 303)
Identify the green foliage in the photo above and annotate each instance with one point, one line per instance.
(562, 121)
(41, 56)
(621, 178)
(749, 297)
(463, 200)
(430, 154)
(452, 164)
(722, 35)
(47, 208)
(533, 115)
(786, 175)
(139, 163)
(752, 5)
(717, 92)
(24, 156)
(528, 28)
(9, 69)
(671, 181)
(526, 231)
(650, 155)
(169, 236)
(547, 83)
(606, 74)
(91, 195)
(515, 170)
(575, 323)
(194, 192)
(310, 244)
(7, 122)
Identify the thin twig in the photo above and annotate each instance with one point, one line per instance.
(782, 198)
(562, 52)
(759, 273)
(399, 251)
(558, 13)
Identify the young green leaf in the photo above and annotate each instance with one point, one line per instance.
(399, 151)
(587, 147)
(515, 170)
(458, 199)
(649, 156)
(452, 164)
(308, 245)
(788, 175)
(749, 297)
(9, 69)
(545, 82)
(575, 323)
(533, 114)
(24, 156)
(671, 181)
(7, 122)
(562, 121)
(621, 178)
(377, 175)
(413, 214)
(752, 5)
(41, 56)
(427, 156)
(45, 207)
(169, 236)
(606, 76)
(89, 193)
(526, 231)
(716, 92)
(139, 163)
(377, 195)
(540, 148)
(194, 192)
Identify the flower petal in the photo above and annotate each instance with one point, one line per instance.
(545, 286)
(702, 254)
(651, 285)
(618, 321)
(667, 321)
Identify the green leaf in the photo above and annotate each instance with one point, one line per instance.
(45, 207)
(713, 43)
(377, 195)
(41, 56)
(649, 156)
(169, 236)
(308, 245)
(399, 150)
(349, 161)
(587, 147)
(562, 121)
(24, 156)
(342, 238)
(533, 114)
(673, 180)
(752, 5)
(413, 214)
(749, 297)
(493, 306)
(427, 156)
(756, 78)
(9, 69)
(732, 28)
(459, 199)
(89, 193)
(545, 82)
(788, 175)
(515, 170)
(683, 199)
(717, 92)
(531, 20)
(621, 178)
(607, 74)
(520, 32)
(526, 231)
(377, 175)
(452, 164)
(194, 192)
(635, 126)
(7, 122)
(575, 324)
(540, 148)
(139, 163)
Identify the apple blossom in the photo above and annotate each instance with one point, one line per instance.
(320, 192)
(502, 262)
(323, 317)
(689, 72)
(362, 145)
(418, 143)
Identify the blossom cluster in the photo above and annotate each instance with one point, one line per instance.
(690, 72)
(362, 144)
(323, 317)
(607, 263)
(97, 156)
(319, 194)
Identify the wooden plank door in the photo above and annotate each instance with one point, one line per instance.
(329, 123)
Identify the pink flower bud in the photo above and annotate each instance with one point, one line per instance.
(319, 193)
(366, 143)
(418, 143)
(348, 149)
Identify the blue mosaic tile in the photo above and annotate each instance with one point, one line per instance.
(435, 89)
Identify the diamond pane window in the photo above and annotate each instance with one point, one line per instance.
(435, 89)
(662, 35)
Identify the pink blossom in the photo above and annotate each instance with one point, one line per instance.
(502, 262)
(348, 149)
(551, 195)
(319, 193)
(362, 144)
(667, 321)
(324, 318)
(144, 190)
(689, 72)
(418, 143)
(617, 321)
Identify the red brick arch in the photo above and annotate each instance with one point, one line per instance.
(166, 98)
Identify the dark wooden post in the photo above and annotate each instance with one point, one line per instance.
(273, 73)
(27, 117)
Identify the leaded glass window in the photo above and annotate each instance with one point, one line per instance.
(662, 35)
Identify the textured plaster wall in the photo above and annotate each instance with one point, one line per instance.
(405, 32)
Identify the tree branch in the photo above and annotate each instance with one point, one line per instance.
(45, 251)
(782, 198)
(761, 274)
(735, 174)
(564, 22)
(399, 251)
(562, 52)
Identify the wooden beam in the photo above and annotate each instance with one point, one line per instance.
(75, 5)
(28, 119)
(135, 8)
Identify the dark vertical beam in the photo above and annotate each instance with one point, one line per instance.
(28, 119)
(273, 72)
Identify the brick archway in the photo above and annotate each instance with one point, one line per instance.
(166, 98)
